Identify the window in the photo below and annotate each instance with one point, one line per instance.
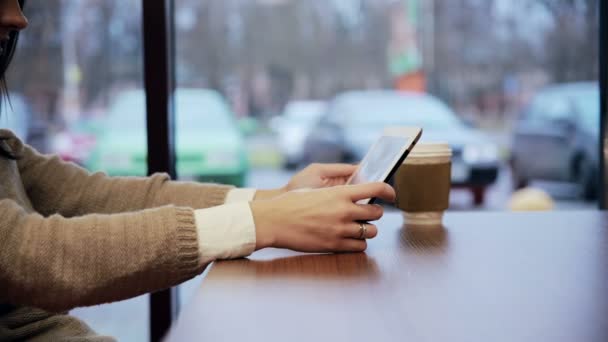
(479, 64)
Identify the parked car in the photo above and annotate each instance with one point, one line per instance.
(209, 145)
(76, 141)
(557, 137)
(356, 119)
(293, 126)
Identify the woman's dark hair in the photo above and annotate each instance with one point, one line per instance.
(5, 60)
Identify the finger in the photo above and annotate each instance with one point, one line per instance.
(352, 245)
(336, 170)
(335, 181)
(366, 212)
(353, 231)
(368, 190)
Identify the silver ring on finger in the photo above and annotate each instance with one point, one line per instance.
(362, 231)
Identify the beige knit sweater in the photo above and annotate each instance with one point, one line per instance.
(70, 238)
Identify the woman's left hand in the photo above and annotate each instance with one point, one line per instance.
(314, 176)
(317, 176)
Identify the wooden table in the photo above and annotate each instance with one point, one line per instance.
(484, 277)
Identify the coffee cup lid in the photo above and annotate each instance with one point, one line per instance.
(432, 149)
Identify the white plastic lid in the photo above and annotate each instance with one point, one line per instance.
(431, 149)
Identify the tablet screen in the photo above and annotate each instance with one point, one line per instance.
(385, 156)
(380, 159)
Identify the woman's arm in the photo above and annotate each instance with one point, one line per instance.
(55, 186)
(57, 263)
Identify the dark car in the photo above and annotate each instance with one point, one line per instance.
(557, 136)
(356, 119)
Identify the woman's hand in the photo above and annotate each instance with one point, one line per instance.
(317, 176)
(322, 220)
(314, 176)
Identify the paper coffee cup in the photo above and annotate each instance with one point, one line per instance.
(423, 183)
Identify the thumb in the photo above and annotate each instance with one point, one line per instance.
(368, 190)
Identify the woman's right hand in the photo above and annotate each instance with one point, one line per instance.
(321, 220)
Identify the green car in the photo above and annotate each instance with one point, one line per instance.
(209, 145)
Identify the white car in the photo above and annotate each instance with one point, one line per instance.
(293, 126)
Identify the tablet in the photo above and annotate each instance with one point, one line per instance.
(385, 156)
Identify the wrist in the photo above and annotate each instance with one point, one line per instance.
(264, 228)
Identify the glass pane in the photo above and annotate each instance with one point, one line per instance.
(294, 74)
(470, 69)
(72, 84)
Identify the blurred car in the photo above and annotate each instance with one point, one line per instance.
(356, 119)
(76, 141)
(293, 126)
(209, 145)
(15, 116)
(557, 136)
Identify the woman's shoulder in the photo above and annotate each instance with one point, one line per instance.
(10, 143)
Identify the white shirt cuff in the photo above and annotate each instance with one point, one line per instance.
(240, 195)
(225, 232)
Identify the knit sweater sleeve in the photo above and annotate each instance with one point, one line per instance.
(55, 186)
(58, 263)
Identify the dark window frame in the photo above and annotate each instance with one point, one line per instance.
(603, 145)
(159, 80)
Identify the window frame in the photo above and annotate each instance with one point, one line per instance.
(159, 83)
(603, 65)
